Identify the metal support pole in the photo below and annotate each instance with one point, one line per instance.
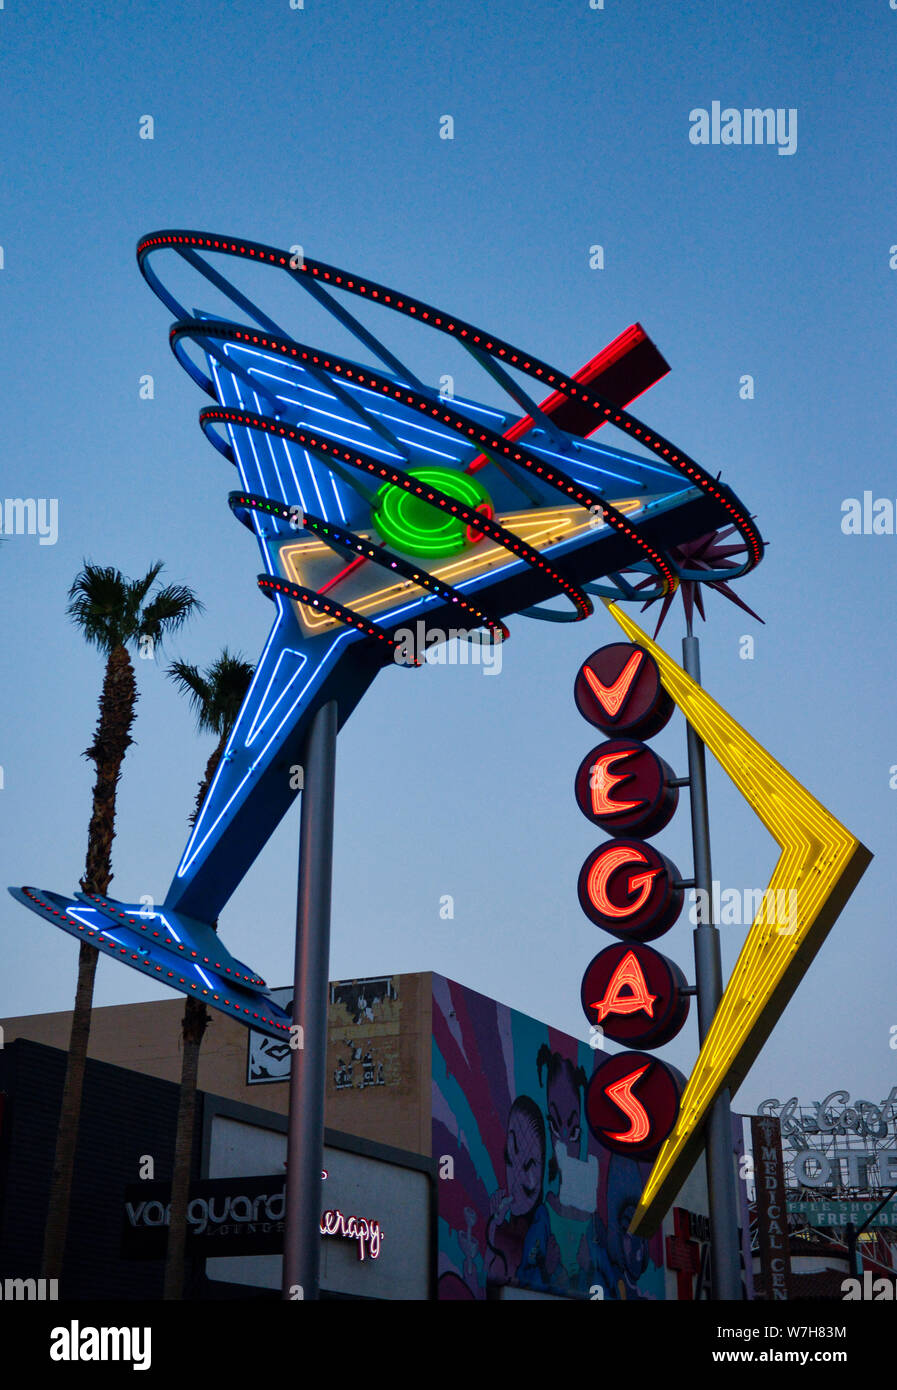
(305, 1136)
(725, 1251)
(853, 1233)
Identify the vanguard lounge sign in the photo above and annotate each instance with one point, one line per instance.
(230, 1216)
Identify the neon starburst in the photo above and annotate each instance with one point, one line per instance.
(701, 562)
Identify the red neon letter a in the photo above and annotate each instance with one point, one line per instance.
(629, 975)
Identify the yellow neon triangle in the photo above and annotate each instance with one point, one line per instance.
(540, 527)
(820, 860)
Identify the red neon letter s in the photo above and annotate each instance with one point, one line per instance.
(620, 1093)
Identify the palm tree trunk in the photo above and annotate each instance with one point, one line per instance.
(111, 741)
(195, 1020)
(211, 768)
(194, 1026)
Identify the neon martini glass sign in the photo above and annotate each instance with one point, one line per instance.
(378, 503)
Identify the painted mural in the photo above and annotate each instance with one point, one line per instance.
(363, 1023)
(533, 1200)
(363, 1018)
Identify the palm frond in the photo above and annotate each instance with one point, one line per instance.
(141, 587)
(193, 684)
(230, 678)
(216, 694)
(109, 608)
(168, 611)
(98, 605)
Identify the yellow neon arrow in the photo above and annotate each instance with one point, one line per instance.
(820, 861)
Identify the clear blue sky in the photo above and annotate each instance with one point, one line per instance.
(321, 127)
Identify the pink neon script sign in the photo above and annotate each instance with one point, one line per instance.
(334, 1223)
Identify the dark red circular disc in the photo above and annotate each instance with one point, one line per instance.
(632, 1103)
(627, 887)
(623, 786)
(618, 689)
(635, 994)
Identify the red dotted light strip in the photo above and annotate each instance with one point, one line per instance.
(329, 448)
(338, 611)
(469, 333)
(474, 432)
(357, 545)
(114, 949)
(144, 926)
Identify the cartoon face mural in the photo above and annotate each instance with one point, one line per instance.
(533, 1200)
(628, 1255)
(517, 1233)
(565, 1084)
(524, 1156)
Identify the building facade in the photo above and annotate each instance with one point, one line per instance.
(456, 1131)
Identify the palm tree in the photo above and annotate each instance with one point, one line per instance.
(215, 698)
(113, 613)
